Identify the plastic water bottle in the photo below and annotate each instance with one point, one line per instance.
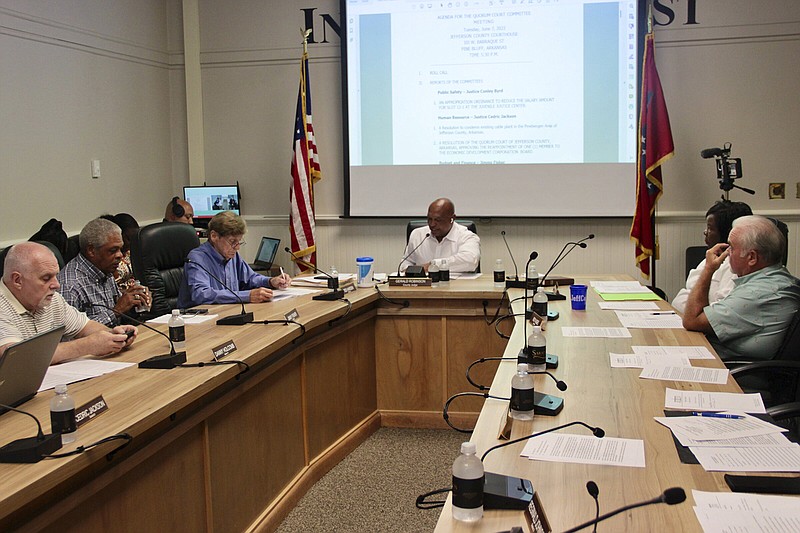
(537, 345)
(468, 481)
(540, 303)
(522, 399)
(333, 271)
(531, 278)
(177, 331)
(499, 274)
(62, 415)
(433, 272)
(444, 272)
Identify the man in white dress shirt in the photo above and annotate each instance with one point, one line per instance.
(719, 220)
(448, 241)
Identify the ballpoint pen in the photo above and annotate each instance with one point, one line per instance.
(717, 415)
(664, 313)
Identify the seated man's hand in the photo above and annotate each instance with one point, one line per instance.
(107, 342)
(133, 297)
(716, 255)
(124, 331)
(261, 294)
(281, 282)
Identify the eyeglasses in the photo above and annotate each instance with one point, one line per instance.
(235, 243)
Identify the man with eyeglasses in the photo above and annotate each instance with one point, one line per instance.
(448, 240)
(220, 256)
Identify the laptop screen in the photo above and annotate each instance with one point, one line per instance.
(267, 251)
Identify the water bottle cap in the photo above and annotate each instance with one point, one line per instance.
(176, 312)
(60, 388)
(468, 447)
(540, 289)
(522, 367)
(537, 329)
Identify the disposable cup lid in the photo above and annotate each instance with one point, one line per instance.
(364, 260)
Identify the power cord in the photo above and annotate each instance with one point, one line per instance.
(201, 364)
(80, 449)
(347, 312)
(404, 304)
(503, 298)
(446, 409)
(285, 323)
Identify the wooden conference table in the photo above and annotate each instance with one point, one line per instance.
(216, 450)
(613, 399)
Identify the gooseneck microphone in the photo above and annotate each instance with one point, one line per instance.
(30, 449)
(559, 384)
(412, 253)
(594, 492)
(671, 496)
(333, 282)
(708, 153)
(163, 362)
(561, 256)
(596, 431)
(512, 283)
(234, 320)
(526, 350)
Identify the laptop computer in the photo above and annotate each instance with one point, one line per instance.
(267, 250)
(23, 366)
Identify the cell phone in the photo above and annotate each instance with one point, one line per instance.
(198, 311)
(129, 333)
(763, 484)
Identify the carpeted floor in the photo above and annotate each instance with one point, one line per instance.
(375, 487)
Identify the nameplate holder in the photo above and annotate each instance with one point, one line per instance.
(409, 282)
(348, 286)
(90, 411)
(294, 314)
(223, 349)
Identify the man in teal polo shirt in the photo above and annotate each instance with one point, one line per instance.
(751, 321)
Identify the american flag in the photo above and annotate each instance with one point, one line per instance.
(305, 172)
(655, 147)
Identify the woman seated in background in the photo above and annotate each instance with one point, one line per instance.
(219, 258)
(719, 220)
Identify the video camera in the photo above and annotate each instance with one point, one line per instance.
(728, 168)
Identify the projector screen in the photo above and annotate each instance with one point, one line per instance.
(508, 107)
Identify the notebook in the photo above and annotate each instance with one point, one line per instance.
(23, 366)
(267, 251)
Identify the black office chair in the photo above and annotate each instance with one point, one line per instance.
(694, 254)
(158, 252)
(785, 230)
(414, 224)
(50, 245)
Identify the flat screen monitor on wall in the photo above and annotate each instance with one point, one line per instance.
(208, 200)
(524, 108)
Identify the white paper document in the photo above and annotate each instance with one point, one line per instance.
(586, 449)
(187, 319)
(706, 428)
(624, 360)
(629, 306)
(742, 501)
(320, 280)
(722, 521)
(770, 439)
(290, 292)
(608, 333)
(619, 287)
(465, 275)
(74, 371)
(713, 401)
(686, 373)
(764, 459)
(650, 319)
(692, 352)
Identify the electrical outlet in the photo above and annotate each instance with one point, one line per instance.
(777, 191)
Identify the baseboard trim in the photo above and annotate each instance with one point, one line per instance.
(425, 419)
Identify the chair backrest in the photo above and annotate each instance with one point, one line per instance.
(414, 224)
(73, 248)
(785, 230)
(694, 254)
(50, 245)
(790, 347)
(158, 252)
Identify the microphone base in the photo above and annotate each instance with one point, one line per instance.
(551, 360)
(506, 492)
(236, 320)
(329, 296)
(547, 404)
(31, 449)
(415, 271)
(164, 362)
(512, 283)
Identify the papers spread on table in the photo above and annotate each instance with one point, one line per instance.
(692, 352)
(290, 292)
(713, 401)
(320, 281)
(620, 360)
(67, 373)
(629, 306)
(187, 319)
(623, 290)
(609, 333)
(585, 449)
(686, 373)
(650, 319)
(752, 459)
(742, 512)
(708, 428)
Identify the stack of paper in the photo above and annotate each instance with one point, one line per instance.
(585, 449)
(741, 444)
(623, 290)
(744, 513)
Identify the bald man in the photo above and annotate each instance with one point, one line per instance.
(30, 304)
(179, 211)
(448, 240)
